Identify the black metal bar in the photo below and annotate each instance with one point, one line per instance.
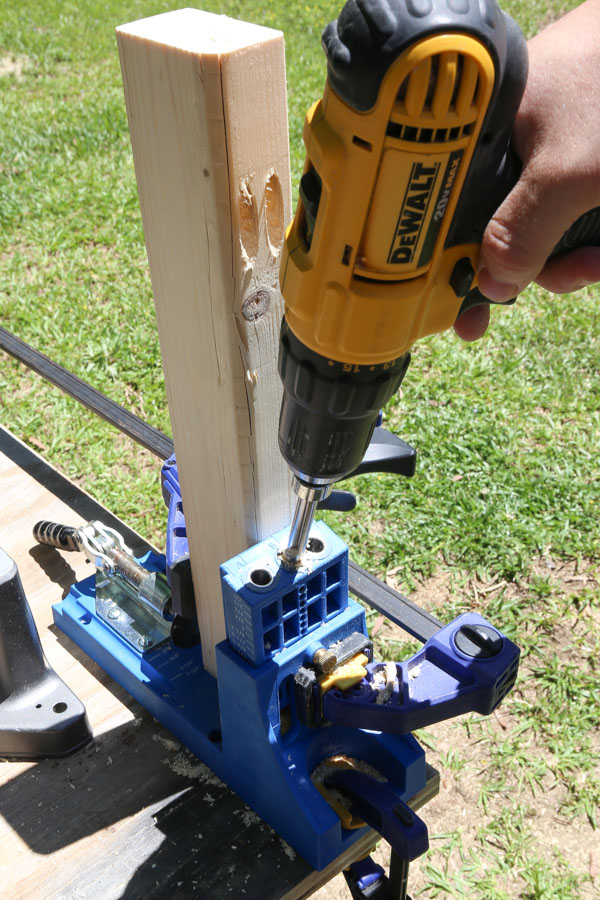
(149, 437)
(399, 609)
(398, 877)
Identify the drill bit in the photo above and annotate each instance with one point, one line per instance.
(309, 496)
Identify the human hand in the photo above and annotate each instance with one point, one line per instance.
(557, 138)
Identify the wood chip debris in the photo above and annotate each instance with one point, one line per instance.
(383, 682)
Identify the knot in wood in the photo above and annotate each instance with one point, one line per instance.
(256, 305)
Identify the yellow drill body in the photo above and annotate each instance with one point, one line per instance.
(375, 274)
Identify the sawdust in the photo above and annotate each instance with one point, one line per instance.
(384, 680)
(289, 852)
(183, 763)
(320, 772)
(249, 818)
(168, 743)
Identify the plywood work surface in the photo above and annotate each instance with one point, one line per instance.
(134, 814)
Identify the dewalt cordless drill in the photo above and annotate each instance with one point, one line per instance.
(408, 157)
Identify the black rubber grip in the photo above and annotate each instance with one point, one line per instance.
(64, 537)
(584, 232)
(369, 35)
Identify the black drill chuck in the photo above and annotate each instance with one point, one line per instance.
(329, 408)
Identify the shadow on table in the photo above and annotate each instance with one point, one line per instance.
(169, 827)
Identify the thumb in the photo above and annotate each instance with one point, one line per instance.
(524, 230)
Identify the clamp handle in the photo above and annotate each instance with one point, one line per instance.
(467, 666)
(381, 806)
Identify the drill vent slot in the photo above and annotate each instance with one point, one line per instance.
(428, 135)
(360, 142)
(442, 92)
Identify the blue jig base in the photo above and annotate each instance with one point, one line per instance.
(243, 724)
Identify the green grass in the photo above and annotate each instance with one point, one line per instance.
(507, 429)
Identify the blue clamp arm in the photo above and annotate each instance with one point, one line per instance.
(467, 666)
(179, 569)
(380, 805)
(177, 543)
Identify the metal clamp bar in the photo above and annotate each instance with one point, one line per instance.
(395, 606)
(149, 437)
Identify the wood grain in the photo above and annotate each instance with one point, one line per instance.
(206, 102)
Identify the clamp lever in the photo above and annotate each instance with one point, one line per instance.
(380, 805)
(467, 666)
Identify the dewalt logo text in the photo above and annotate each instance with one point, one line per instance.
(412, 213)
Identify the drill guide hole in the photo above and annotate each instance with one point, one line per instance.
(261, 577)
(315, 545)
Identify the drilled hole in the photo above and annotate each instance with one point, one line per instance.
(261, 577)
(215, 736)
(274, 211)
(248, 216)
(59, 707)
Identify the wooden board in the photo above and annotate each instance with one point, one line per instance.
(134, 814)
(207, 109)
